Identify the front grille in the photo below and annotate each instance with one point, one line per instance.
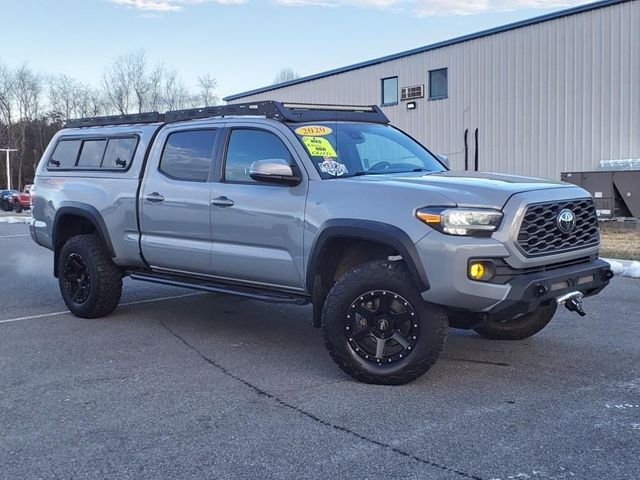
(539, 233)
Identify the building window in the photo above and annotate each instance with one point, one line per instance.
(438, 87)
(390, 91)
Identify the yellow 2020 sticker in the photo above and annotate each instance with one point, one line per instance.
(313, 131)
(319, 147)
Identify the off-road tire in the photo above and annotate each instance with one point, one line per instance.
(105, 286)
(519, 328)
(393, 277)
(18, 208)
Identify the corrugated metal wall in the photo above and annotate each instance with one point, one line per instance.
(551, 97)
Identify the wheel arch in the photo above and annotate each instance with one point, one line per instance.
(368, 231)
(383, 238)
(75, 218)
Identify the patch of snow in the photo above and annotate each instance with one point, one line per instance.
(14, 219)
(633, 270)
(624, 268)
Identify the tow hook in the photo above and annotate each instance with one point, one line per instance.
(572, 302)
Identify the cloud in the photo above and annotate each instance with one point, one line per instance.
(423, 8)
(170, 5)
(436, 7)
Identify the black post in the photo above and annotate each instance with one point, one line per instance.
(476, 159)
(466, 150)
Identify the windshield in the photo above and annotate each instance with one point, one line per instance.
(351, 149)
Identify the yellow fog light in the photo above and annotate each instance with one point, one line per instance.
(476, 271)
(480, 271)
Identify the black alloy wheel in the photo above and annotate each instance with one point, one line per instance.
(77, 279)
(382, 327)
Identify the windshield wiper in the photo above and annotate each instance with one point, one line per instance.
(382, 172)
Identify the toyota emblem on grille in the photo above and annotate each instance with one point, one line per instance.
(566, 221)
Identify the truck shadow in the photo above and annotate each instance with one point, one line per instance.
(278, 343)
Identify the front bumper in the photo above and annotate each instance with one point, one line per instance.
(530, 291)
(446, 262)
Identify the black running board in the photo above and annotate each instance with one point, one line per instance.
(209, 286)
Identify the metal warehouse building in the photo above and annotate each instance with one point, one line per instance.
(555, 93)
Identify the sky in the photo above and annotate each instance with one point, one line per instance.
(241, 43)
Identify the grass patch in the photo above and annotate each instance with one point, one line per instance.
(620, 244)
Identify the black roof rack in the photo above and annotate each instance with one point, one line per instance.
(148, 117)
(282, 111)
(285, 112)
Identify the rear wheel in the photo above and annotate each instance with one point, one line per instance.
(18, 208)
(377, 327)
(518, 328)
(90, 283)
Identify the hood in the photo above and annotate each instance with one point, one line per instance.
(468, 189)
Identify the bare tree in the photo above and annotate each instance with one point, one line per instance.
(175, 94)
(117, 86)
(89, 102)
(285, 74)
(63, 95)
(207, 86)
(6, 95)
(155, 100)
(6, 109)
(131, 85)
(135, 65)
(27, 88)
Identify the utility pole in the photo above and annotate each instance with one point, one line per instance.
(7, 150)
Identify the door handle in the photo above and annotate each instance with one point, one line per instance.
(154, 197)
(222, 201)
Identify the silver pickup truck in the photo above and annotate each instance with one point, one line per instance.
(328, 205)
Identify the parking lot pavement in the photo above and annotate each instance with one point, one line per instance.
(210, 386)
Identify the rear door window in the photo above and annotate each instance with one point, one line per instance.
(188, 155)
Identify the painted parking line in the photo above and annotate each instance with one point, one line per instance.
(13, 236)
(137, 302)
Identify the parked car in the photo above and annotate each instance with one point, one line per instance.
(328, 205)
(4, 200)
(20, 201)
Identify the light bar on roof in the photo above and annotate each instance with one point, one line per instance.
(346, 108)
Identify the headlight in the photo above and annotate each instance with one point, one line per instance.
(461, 221)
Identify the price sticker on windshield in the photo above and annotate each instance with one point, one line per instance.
(319, 147)
(313, 131)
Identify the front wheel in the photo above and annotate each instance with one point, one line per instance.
(377, 327)
(90, 283)
(18, 208)
(518, 328)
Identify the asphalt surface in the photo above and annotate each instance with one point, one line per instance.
(210, 386)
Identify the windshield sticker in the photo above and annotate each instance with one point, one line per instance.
(319, 147)
(313, 131)
(331, 167)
